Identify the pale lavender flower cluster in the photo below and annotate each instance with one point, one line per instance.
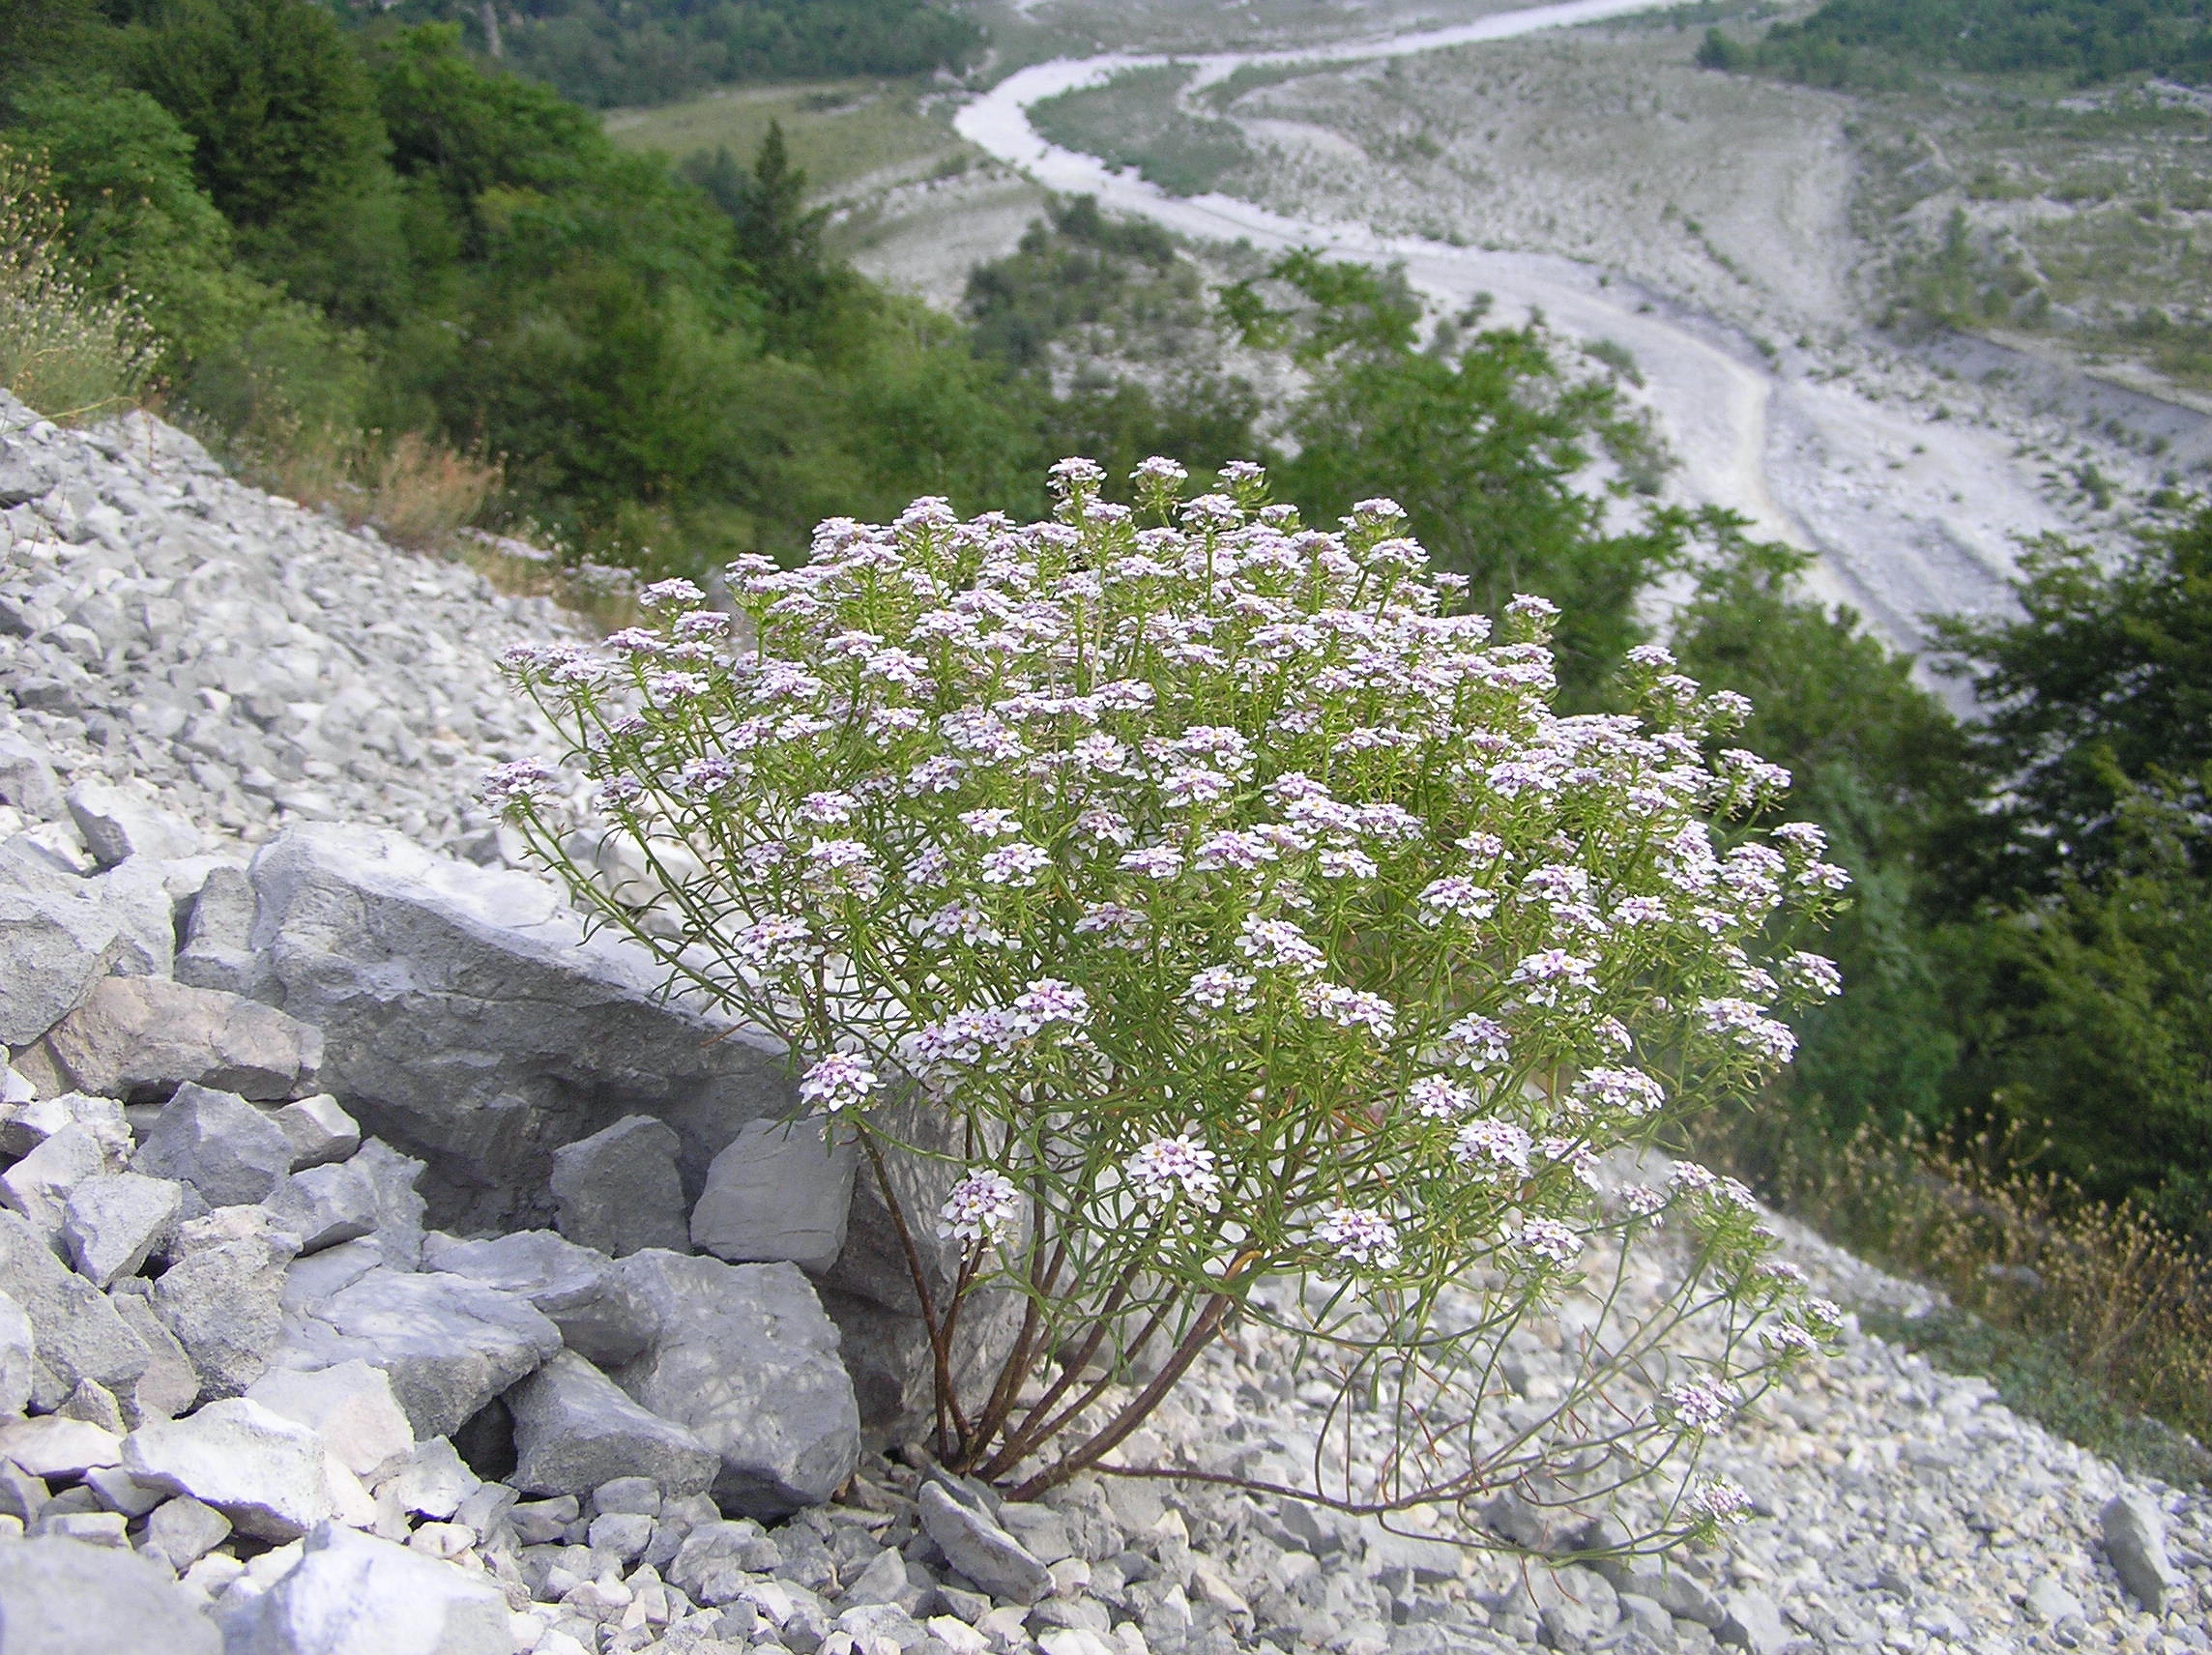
(982, 1208)
(840, 1081)
(1168, 1167)
(1702, 1404)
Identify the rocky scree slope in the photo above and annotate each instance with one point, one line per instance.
(386, 1268)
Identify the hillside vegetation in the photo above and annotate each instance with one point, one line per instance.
(1855, 41)
(607, 52)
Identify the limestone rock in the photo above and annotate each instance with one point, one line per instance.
(217, 949)
(222, 1296)
(39, 1186)
(26, 773)
(182, 1531)
(781, 1190)
(353, 1594)
(119, 823)
(449, 1344)
(1753, 1624)
(268, 1475)
(231, 1152)
(350, 1406)
(169, 1384)
(432, 1481)
(575, 1429)
(111, 1223)
(78, 1334)
(400, 1204)
(142, 1037)
(18, 1353)
(320, 1131)
(53, 1446)
(618, 1190)
(747, 1359)
(54, 946)
(325, 1206)
(59, 1597)
(599, 1316)
(40, 1119)
(467, 1018)
(976, 1545)
(2135, 1540)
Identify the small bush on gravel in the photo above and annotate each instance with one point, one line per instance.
(1275, 949)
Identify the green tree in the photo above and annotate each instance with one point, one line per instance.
(779, 236)
(286, 140)
(1489, 447)
(2100, 685)
(2090, 1023)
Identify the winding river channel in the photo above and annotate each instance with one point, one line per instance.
(1909, 517)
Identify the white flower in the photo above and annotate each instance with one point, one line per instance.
(1816, 971)
(1629, 1091)
(1478, 1043)
(1221, 988)
(1155, 861)
(840, 1079)
(776, 943)
(1549, 1240)
(1359, 1236)
(1045, 1001)
(1114, 923)
(1720, 1501)
(1017, 864)
(1349, 1008)
(982, 1208)
(991, 824)
(1549, 973)
(524, 781)
(1748, 1026)
(1457, 898)
(671, 594)
(1193, 785)
(1277, 945)
(1492, 1146)
(827, 809)
(1168, 1165)
(1702, 1404)
(1435, 1097)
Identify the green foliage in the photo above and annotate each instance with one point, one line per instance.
(1074, 268)
(2101, 686)
(1878, 764)
(1858, 43)
(1717, 52)
(1079, 270)
(777, 235)
(603, 52)
(2090, 1021)
(286, 139)
(1488, 447)
(2031, 928)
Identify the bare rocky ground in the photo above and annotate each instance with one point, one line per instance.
(385, 1268)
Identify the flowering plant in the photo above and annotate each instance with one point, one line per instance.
(1254, 919)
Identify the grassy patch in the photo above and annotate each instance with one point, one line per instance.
(2089, 1318)
(837, 132)
(1136, 119)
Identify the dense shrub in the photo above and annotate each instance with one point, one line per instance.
(1246, 913)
